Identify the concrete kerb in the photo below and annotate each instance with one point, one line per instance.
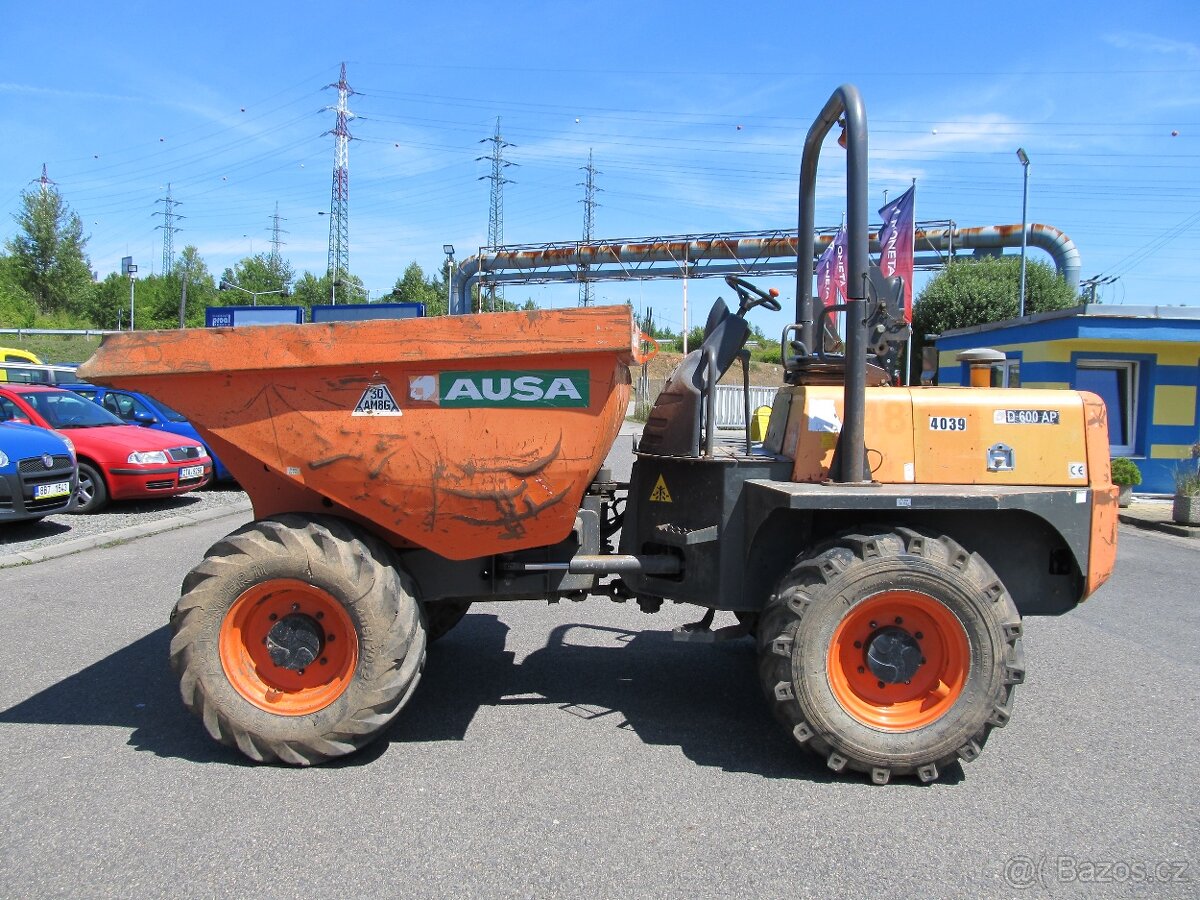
(120, 535)
(1154, 514)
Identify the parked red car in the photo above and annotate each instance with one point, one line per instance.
(116, 461)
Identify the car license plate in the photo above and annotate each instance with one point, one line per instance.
(189, 472)
(46, 491)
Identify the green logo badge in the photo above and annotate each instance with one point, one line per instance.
(563, 388)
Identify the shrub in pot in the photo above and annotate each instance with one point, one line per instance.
(1126, 475)
(1186, 510)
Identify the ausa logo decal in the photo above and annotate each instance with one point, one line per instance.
(561, 388)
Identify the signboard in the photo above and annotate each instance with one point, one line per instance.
(233, 316)
(358, 312)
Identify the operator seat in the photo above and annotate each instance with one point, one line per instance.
(673, 427)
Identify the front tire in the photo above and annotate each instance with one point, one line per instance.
(442, 616)
(892, 652)
(92, 493)
(297, 639)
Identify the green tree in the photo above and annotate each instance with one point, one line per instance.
(189, 269)
(108, 305)
(310, 290)
(977, 291)
(201, 287)
(414, 287)
(48, 252)
(17, 308)
(264, 272)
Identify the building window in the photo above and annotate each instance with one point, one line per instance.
(1115, 382)
(1007, 374)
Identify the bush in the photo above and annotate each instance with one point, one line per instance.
(1125, 471)
(1187, 475)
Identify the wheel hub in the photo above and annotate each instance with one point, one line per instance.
(893, 655)
(294, 641)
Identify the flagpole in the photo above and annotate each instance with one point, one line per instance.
(913, 244)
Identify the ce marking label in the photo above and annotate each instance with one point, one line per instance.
(1077, 470)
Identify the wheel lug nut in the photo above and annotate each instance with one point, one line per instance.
(320, 616)
(324, 660)
(899, 620)
(264, 640)
(330, 637)
(299, 671)
(858, 645)
(272, 617)
(922, 660)
(874, 624)
(919, 636)
(295, 607)
(880, 683)
(861, 670)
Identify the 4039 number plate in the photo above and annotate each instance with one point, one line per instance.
(947, 423)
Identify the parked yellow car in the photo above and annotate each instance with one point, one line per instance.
(13, 355)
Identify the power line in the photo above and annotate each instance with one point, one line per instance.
(339, 203)
(589, 221)
(496, 201)
(168, 229)
(276, 258)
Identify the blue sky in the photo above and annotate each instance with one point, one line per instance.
(225, 102)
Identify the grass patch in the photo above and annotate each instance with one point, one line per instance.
(54, 348)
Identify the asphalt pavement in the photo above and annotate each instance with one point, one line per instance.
(574, 750)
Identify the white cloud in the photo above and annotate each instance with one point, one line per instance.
(1150, 43)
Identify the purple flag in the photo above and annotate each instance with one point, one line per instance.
(840, 249)
(896, 242)
(825, 276)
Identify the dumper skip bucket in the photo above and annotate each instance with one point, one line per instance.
(465, 435)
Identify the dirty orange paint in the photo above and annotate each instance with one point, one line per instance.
(473, 435)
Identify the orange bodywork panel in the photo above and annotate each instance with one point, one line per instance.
(1102, 554)
(816, 420)
(947, 435)
(465, 435)
(970, 436)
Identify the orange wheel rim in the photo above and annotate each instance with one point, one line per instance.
(919, 634)
(288, 647)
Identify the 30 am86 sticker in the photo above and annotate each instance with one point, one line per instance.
(377, 400)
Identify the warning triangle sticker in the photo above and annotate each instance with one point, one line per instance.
(660, 494)
(377, 400)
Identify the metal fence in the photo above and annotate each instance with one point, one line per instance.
(730, 408)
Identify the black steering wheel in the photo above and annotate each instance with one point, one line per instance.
(750, 296)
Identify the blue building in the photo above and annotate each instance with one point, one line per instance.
(1144, 361)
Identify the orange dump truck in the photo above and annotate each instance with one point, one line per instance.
(882, 544)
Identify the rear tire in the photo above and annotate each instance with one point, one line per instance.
(92, 493)
(297, 639)
(893, 653)
(442, 616)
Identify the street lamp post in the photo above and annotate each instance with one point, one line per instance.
(254, 295)
(1024, 158)
(132, 270)
(448, 249)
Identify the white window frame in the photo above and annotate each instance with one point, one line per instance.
(1007, 368)
(1131, 399)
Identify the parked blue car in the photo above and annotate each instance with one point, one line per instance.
(38, 473)
(142, 409)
